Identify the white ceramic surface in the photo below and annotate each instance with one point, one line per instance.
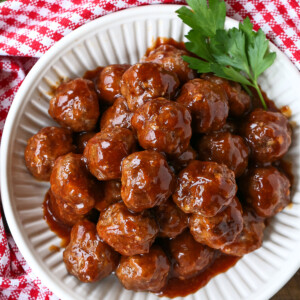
(119, 38)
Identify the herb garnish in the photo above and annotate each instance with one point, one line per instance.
(239, 55)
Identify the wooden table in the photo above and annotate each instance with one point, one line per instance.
(291, 291)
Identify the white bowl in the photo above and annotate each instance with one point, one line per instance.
(119, 38)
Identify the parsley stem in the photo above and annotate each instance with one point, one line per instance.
(247, 90)
(260, 96)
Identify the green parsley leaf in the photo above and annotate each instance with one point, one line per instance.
(238, 54)
(212, 18)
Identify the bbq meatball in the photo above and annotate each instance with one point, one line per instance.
(75, 105)
(110, 193)
(144, 272)
(266, 190)
(117, 115)
(226, 148)
(249, 239)
(146, 81)
(239, 101)
(230, 126)
(163, 125)
(71, 182)
(147, 180)
(87, 257)
(189, 257)
(180, 162)
(170, 58)
(109, 81)
(106, 150)
(204, 188)
(62, 212)
(171, 220)
(44, 148)
(268, 134)
(207, 103)
(81, 140)
(221, 229)
(127, 232)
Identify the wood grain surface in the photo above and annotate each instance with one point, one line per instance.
(291, 291)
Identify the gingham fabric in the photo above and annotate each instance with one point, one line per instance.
(29, 28)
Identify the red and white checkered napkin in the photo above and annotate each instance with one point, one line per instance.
(29, 28)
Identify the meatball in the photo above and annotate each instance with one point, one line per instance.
(71, 182)
(109, 81)
(106, 150)
(127, 232)
(110, 193)
(81, 140)
(144, 272)
(170, 58)
(180, 162)
(146, 81)
(266, 190)
(171, 220)
(226, 148)
(249, 239)
(163, 125)
(87, 257)
(117, 115)
(239, 101)
(75, 105)
(44, 148)
(230, 126)
(62, 211)
(207, 103)
(189, 257)
(221, 229)
(204, 188)
(147, 180)
(268, 134)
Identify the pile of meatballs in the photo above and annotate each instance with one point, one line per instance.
(164, 154)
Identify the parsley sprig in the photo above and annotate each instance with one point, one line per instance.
(238, 54)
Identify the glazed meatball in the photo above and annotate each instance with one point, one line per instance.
(207, 103)
(163, 125)
(75, 105)
(81, 140)
(87, 257)
(180, 162)
(249, 239)
(221, 229)
(147, 180)
(266, 190)
(44, 148)
(109, 82)
(170, 58)
(226, 148)
(62, 212)
(71, 182)
(106, 150)
(239, 101)
(117, 115)
(110, 193)
(171, 220)
(127, 232)
(204, 188)
(146, 81)
(144, 272)
(230, 126)
(189, 257)
(268, 134)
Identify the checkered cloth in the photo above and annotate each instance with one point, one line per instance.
(29, 28)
